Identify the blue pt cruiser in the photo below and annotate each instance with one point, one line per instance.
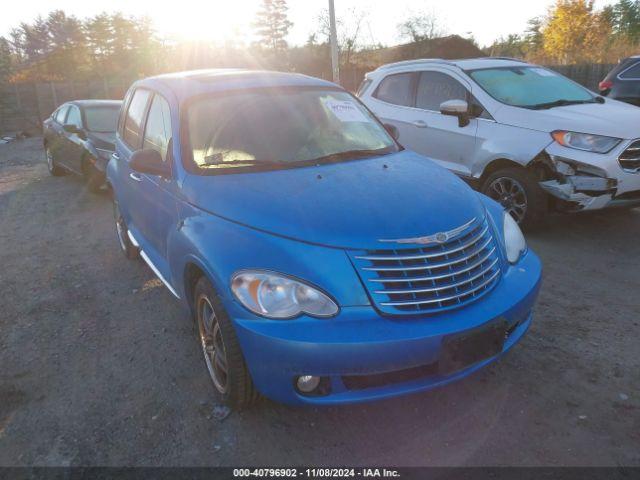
(321, 261)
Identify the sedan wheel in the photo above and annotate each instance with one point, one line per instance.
(51, 163)
(129, 249)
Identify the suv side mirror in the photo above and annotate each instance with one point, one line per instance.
(71, 128)
(393, 130)
(149, 161)
(456, 108)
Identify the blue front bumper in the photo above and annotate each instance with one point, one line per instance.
(360, 342)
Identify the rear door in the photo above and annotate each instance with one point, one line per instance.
(55, 134)
(73, 146)
(125, 181)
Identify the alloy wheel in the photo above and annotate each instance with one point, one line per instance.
(213, 348)
(511, 195)
(49, 156)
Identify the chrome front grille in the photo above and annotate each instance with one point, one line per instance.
(630, 159)
(434, 277)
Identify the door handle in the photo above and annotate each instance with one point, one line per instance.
(420, 124)
(135, 176)
(115, 156)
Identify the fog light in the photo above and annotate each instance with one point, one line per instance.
(307, 383)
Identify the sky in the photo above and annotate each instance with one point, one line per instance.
(218, 20)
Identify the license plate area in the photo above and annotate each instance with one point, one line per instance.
(461, 350)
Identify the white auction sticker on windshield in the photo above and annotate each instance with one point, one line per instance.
(346, 111)
(543, 73)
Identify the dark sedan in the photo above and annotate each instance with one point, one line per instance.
(79, 137)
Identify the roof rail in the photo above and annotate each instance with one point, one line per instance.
(416, 61)
(503, 58)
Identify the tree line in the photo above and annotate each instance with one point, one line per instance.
(574, 31)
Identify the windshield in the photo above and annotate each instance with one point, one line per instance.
(282, 129)
(530, 87)
(101, 119)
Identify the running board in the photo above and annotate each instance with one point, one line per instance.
(151, 265)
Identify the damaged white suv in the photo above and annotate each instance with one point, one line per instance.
(524, 135)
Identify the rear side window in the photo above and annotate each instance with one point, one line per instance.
(631, 73)
(74, 117)
(61, 113)
(435, 88)
(396, 89)
(158, 130)
(133, 120)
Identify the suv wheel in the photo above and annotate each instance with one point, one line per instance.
(518, 192)
(129, 249)
(54, 170)
(222, 354)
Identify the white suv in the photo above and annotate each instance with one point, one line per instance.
(524, 135)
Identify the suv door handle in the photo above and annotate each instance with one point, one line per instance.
(420, 124)
(115, 156)
(135, 176)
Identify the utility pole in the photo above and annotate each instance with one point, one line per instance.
(335, 63)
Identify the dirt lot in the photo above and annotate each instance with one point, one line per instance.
(100, 366)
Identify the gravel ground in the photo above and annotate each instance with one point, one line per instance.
(99, 365)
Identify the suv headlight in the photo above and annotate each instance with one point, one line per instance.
(585, 141)
(278, 296)
(514, 241)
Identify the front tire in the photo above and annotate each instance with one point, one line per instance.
(53, 168)
(128, 249)
(221, 349)
(517, 190)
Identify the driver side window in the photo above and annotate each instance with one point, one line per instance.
(434, 88)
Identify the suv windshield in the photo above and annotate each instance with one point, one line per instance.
(271, 128)
(530, 87)
(101, 119)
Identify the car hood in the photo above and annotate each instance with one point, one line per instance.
(349, 205)
(612, 118)
(103, 140)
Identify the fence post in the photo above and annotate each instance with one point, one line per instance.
(54, 95)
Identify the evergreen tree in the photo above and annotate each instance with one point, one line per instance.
(272, 24)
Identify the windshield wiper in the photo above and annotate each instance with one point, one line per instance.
(559, 103)
(351, 155)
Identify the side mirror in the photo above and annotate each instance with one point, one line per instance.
(393, 130)
(71, 128)
(149, 161)
(456, 108)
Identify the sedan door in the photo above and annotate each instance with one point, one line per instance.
(73, 145)
(54, 135)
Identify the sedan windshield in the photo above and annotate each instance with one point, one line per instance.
(101, 119)
(272, 128)
(531, 87)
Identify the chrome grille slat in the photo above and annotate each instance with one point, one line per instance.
(426, 266)
(415, 277)
(629, 160)
(443, 287)
(435, 277)
(420, 257)
(468, 292)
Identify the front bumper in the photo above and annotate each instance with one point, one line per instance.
(591, 181)
(360, 343)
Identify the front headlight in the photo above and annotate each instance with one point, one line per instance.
(278, 296)
(585, 141)
(514, 241)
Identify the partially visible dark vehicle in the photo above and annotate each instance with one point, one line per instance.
(79, 137)
(623, 82)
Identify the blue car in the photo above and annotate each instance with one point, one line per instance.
(321, 261)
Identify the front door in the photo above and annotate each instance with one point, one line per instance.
(439, 136)
(73, 145)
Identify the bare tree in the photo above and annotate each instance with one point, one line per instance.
(424, 26)
(349, 31)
